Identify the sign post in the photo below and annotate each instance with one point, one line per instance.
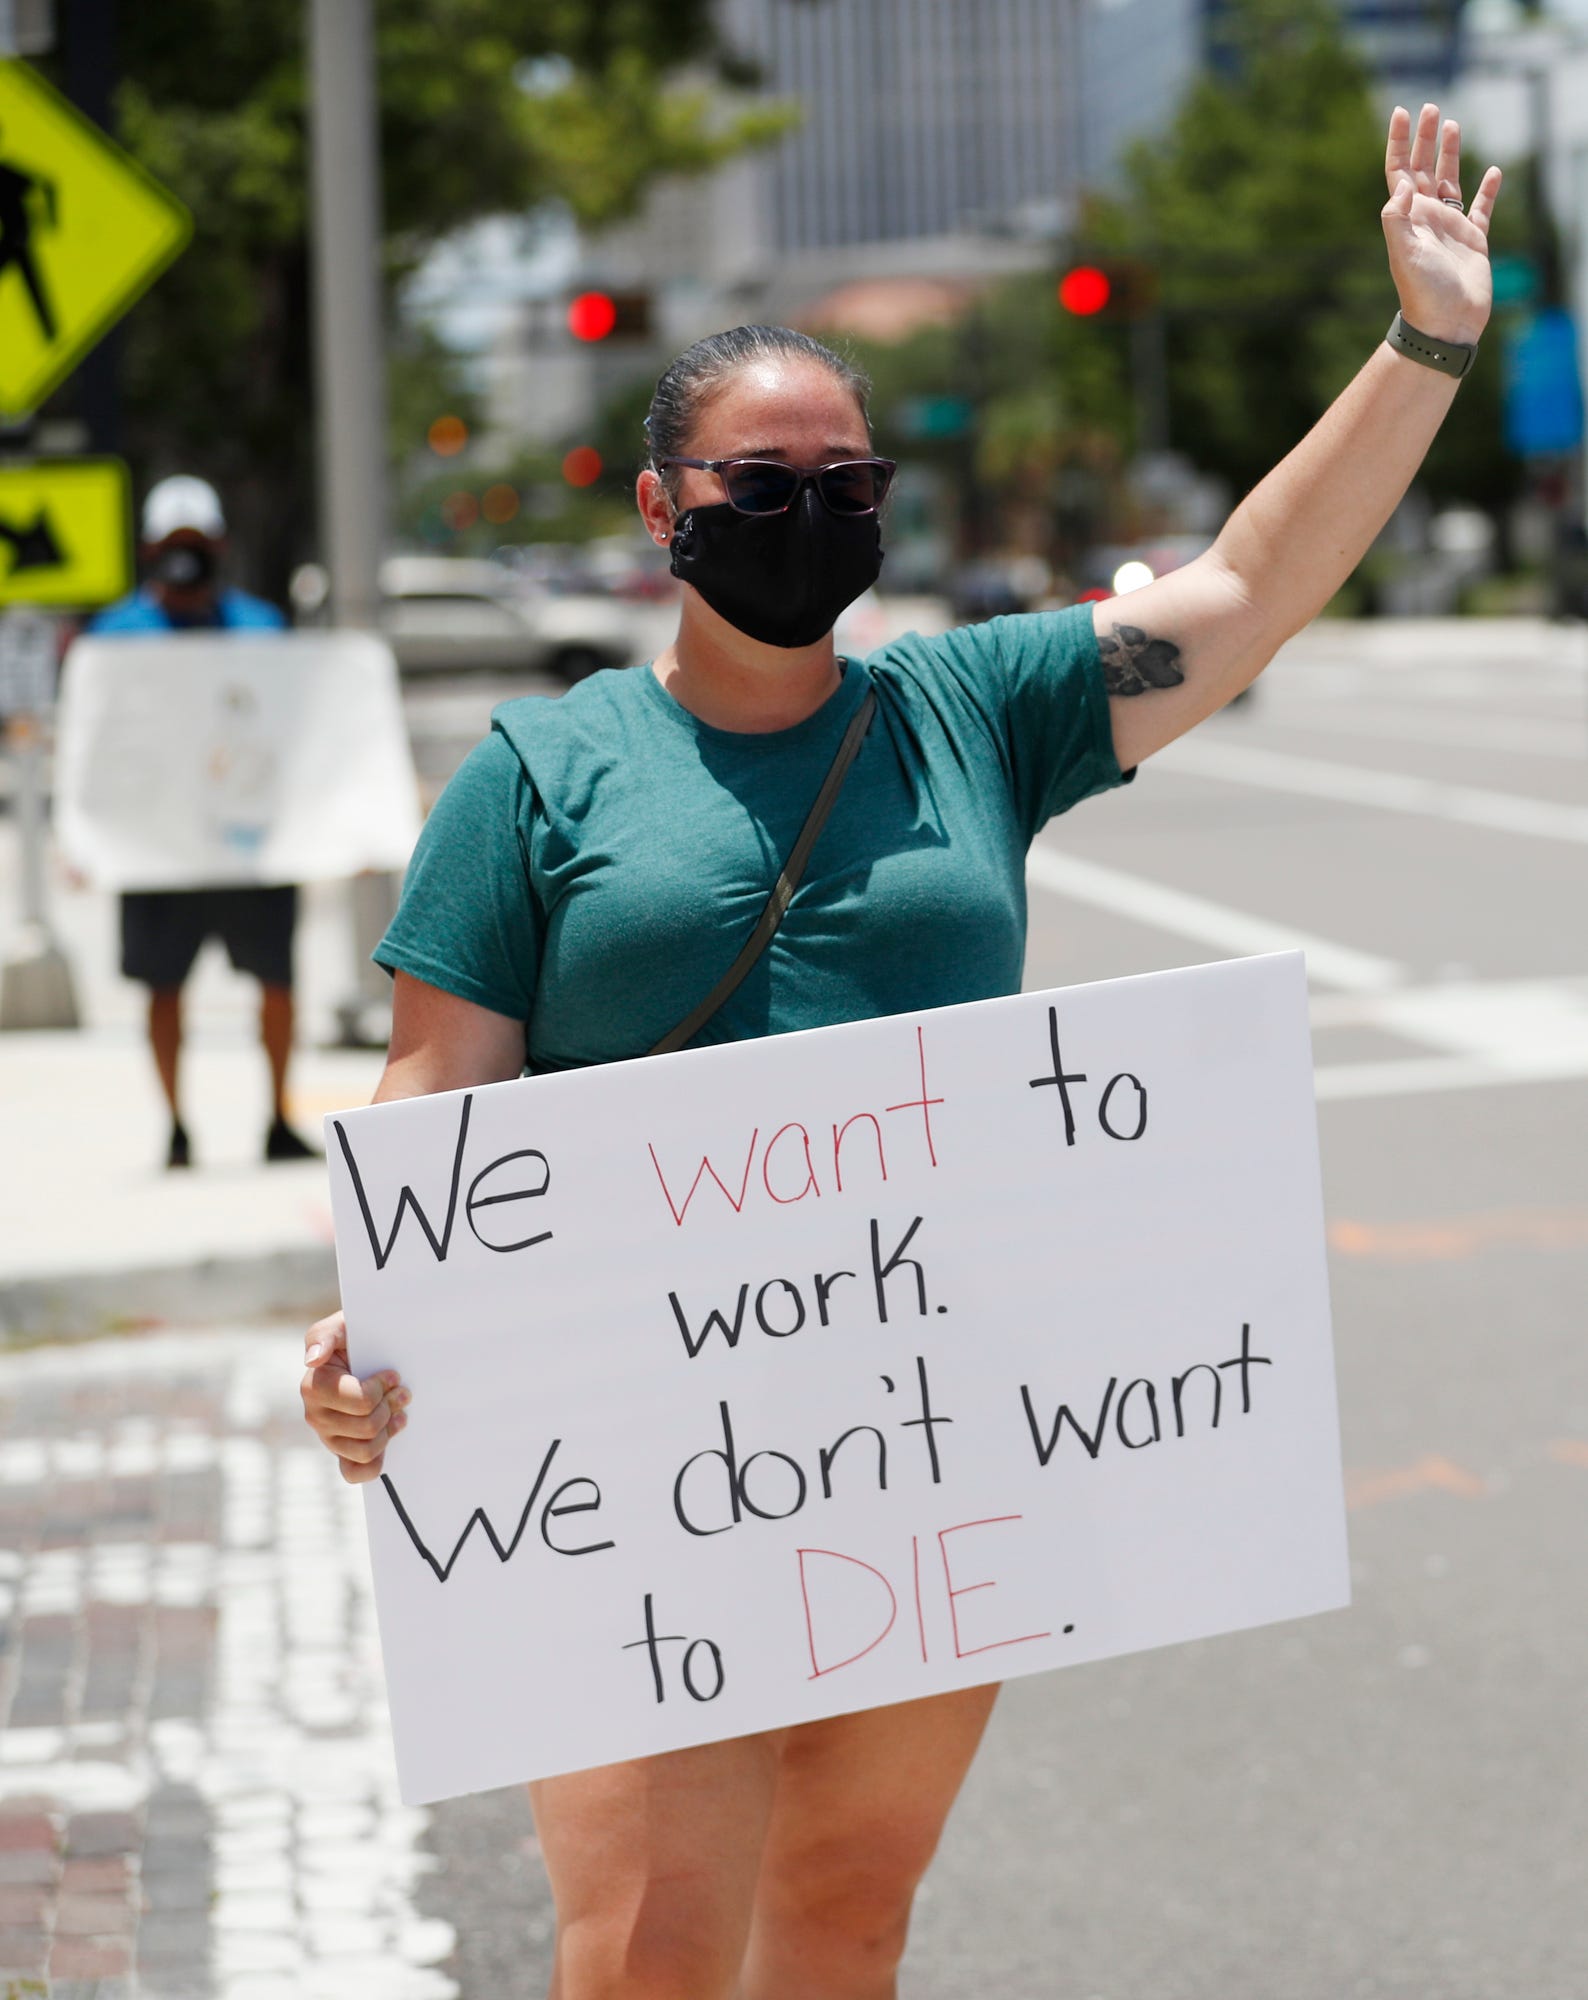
(35, 979)
(83, 232)
(350, 377)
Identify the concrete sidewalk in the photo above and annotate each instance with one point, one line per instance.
(198, 1797)
(95, 1233)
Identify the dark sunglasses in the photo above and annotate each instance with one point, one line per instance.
(768, 486)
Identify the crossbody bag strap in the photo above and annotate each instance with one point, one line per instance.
(783, 889)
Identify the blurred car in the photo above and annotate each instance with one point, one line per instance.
(1115, 569)
(994, 586)
(629, 566)
(450, 614)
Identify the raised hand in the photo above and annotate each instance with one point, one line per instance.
(1439, 257)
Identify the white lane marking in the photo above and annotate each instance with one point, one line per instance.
(1183, 915)
(1446, 648)
(1515, 735)
(1485, 1032)
(1337, 1081)
(1504, 685)
(1392, 791)
(1544, 1020)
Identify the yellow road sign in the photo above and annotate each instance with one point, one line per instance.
(83, 230)
(65, 531)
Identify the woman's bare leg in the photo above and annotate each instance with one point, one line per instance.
(859, 1807)
(653, 1866)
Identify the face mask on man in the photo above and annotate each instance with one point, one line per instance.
(185, 565)
(779, 578)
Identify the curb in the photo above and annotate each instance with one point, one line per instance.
(297, 1282)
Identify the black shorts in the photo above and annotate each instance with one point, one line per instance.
(162, 930)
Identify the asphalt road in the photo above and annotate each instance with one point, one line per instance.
(1384, 1801)
(1393, 1799)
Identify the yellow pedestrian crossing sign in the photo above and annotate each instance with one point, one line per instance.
(83, 230)
(65, 532)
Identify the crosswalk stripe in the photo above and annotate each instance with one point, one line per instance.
(1210, 923)
(1513, 736)
(1391, 791)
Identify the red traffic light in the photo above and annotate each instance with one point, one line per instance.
(595, 316)
(1085, 290)
(592, 316)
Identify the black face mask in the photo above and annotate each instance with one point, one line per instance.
(779, 578)
(185, 565)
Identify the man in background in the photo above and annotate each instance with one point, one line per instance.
(162, 930)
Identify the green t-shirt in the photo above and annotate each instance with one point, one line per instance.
(595, 864)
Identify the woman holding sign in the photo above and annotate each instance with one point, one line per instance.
(610, 874)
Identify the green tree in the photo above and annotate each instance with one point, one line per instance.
(1255, 218)
(1258, 214)
(486, 107)
(425, 380)
(1052, 411)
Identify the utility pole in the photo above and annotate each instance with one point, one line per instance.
(35, 978)
(90, 78)
(349, 353)
(1149, 372)
(36, 989)
(350, 390)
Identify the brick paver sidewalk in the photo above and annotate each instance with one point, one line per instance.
(197, 1793)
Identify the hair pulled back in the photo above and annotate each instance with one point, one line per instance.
(689, 383)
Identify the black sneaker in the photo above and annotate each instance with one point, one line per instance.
(282, 1143)
(178, 1153)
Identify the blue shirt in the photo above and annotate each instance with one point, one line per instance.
(596, 863)
(236, 611)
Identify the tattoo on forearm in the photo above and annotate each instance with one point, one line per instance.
(1133, 663)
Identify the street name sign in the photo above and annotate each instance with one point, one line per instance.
(773, 1381)
(65, 532)
(1516, 280)
(936, 416)
(1543, 399)
(83, 231)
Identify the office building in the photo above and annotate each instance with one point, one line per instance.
(945, 141)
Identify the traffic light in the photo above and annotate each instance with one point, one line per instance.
(1085, 289)
(1113, 287)
(595, 316)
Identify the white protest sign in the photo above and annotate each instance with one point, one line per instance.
(192, 759)
(798, 1376)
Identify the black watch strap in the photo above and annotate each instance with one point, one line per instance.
(1450, 357)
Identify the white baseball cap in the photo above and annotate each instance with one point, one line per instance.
(183, 502)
